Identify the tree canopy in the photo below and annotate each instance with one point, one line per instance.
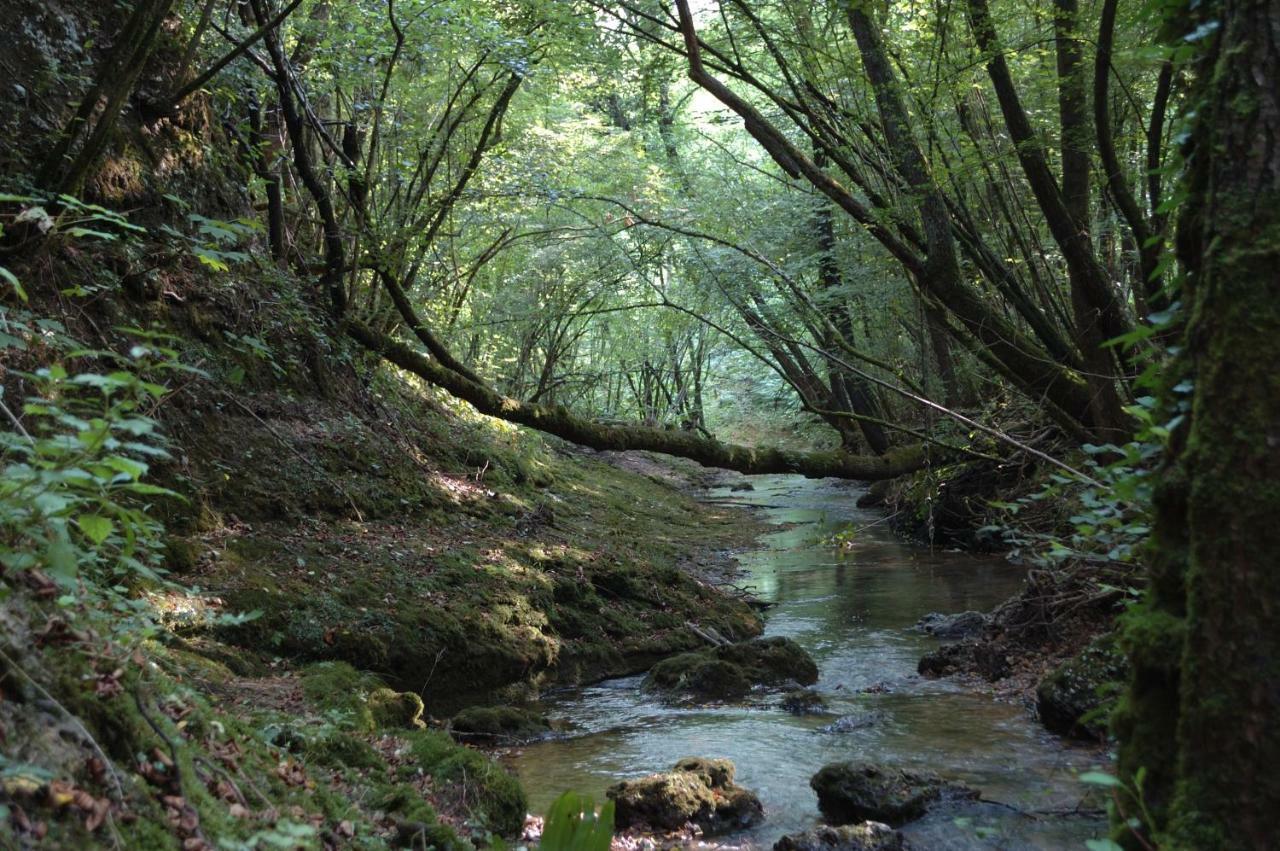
(835, 238)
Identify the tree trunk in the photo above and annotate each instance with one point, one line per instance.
(65, 169)
(1201, 716)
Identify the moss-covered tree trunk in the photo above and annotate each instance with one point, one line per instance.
(1203, 713)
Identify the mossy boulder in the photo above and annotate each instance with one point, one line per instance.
(729, 671)
(396, 710)
(852, 792)
(952, 627)
(697, 793)
(804, 701)
(1073, 699)
(868, 836)
(716, 773)
(181, 555)
(338, 687)
(499, 723)
(416, 821)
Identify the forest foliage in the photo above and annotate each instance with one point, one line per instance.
(835, 238)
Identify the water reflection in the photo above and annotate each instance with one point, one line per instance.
(852, 612)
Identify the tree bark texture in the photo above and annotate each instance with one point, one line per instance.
(1201, 714)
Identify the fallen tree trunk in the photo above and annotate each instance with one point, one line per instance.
(560, 422)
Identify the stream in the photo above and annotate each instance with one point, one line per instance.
(853, 611)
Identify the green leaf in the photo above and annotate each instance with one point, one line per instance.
(572, 824)
(12, 280)
(1102, 845)
(1101, 778)
(95, 527)
(60, 559)
(126, 466)
(96, 234)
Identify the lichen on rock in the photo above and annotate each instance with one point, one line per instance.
(697, 792)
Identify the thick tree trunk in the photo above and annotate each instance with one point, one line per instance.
(1201, 717)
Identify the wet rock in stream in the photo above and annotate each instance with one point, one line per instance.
(953, 627)
(988, 660)
(804, 701)
(728, 672)
(1071, 700)
(697, 792)
(868, 836)
(851, 792)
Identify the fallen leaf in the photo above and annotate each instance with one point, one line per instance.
(98, 815)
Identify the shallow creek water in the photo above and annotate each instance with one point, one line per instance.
(853, 612)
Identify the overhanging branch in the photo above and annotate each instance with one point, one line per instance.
(560, 422)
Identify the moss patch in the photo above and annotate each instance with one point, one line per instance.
(492, 794)
(499, 724)
(729, 671)
(501, 593)
(1076, 698)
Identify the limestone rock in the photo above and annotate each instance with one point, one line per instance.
(851, 792)
(728, 672)
(868, 836)
(1069, 698)
(697, 791)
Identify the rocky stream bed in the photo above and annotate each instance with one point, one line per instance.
(951, 763)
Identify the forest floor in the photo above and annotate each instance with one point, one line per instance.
(388, 545)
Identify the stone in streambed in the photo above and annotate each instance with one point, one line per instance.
(1070, 700)
(804, 701)
(952, 627)
(986, 659)
(851, 792)
(697, 791)
(729, 671)
(868, 836)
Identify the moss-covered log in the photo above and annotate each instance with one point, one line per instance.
(560, 422)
